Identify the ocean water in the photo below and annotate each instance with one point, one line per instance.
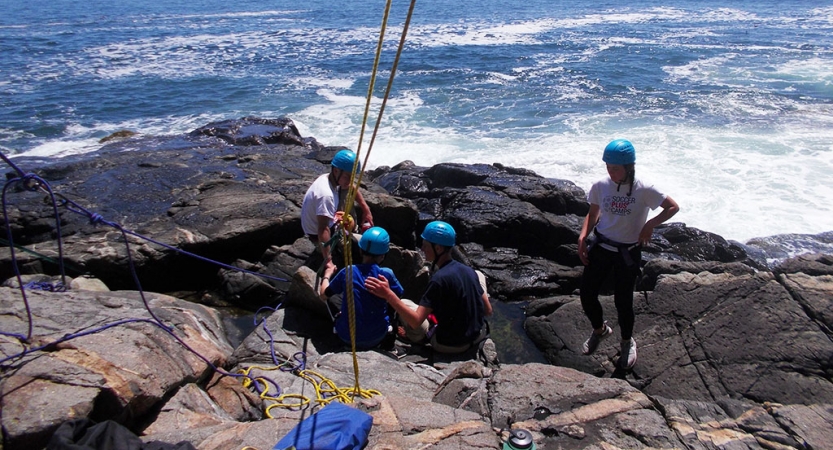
(729, 104)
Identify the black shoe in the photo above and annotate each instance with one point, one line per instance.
(388, 342)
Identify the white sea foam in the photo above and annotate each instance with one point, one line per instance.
(822, 14)
(471, 34)
(813, 70)
(59, 149)
(200, 54)
(80, 139)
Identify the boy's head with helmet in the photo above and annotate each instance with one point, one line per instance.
(438, 238)
(342, 167)
(620, 157)
(375, 241)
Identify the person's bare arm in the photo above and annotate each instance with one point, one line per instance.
(367, 216)
(329, 271)
(324, 236)
(669, 208)
(487, 304)
(590, 222)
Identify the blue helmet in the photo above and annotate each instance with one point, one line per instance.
(344, 160)
(439, 232)
(375, 241)
(619, 151)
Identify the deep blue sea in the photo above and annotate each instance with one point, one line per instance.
(728, 103)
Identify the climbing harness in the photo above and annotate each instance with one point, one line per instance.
(623, 249)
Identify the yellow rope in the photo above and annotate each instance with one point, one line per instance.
(354, 183)
(351, 312)
(373, 79)
(326, 390)
(351, 193)
(388, 88)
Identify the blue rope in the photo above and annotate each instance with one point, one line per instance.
(111, 325)
(28, 335)
(8, 161)
(299, 357)
(46, 286)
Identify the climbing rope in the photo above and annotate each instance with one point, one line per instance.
(355, 182)
(325, 389)
(385, 98)
(372, 84)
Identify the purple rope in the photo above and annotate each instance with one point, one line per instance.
(28, 335)
(33, 182)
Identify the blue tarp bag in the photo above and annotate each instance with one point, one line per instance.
(335, 427)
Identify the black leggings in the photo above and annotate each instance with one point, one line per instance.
(602, 262)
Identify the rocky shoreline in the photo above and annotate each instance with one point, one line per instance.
(735, 338)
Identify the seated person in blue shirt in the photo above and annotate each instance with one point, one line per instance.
(372, 313)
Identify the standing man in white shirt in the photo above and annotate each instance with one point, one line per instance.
(322, 203)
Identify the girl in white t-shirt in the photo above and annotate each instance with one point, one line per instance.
(611, 239)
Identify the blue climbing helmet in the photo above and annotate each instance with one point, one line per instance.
(439, 232)
(619, 151)
(344, 160)
(375, 241)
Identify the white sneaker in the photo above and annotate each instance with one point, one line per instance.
(592, 343)
(627, 355)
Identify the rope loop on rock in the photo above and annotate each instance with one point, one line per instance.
(34, 182)
(30, 182)
(46, 286)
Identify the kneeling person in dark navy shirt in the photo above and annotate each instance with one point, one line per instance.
(456, 297)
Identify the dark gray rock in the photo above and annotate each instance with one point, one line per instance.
(493, 205)
(690, 244)
(254, 131)
(776, 249)
(706, 336)
(516, 277)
